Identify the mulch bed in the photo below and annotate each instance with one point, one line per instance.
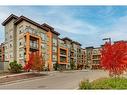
(19, 77)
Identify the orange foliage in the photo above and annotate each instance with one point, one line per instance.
(35, 62)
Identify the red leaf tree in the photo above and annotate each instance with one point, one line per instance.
(114, 57)
(35, 63)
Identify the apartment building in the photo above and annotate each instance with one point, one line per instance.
(68, 42)
(2, 52)
(75, 52)
(83, 56)
(96, 56)
(88, 51)
(92, 56)
(79, 53)
(24, 36)
(62, 54)
(52, 45)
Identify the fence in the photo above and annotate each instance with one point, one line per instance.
(4, 66)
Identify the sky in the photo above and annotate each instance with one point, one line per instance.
(85, 24)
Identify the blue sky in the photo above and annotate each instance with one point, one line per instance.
(86, 24)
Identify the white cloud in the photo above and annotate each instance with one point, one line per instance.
(118, 30)
(65, 21)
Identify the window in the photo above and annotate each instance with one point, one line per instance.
(20, 43)
(54, 49)
(5, 47)
(6, 57)
(10, 45)
(6, 39)
(43, 36)
(10, 36)
(20, 55)
(11, 55)
(20, 26)
(20, 32)
(54, 58)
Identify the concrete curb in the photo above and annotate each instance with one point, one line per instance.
(46, 72)
(15, 81)
(11, 75)
(27, 79)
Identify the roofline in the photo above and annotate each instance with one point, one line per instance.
(48, 26)
(120, 41)
(21, 18)
(51, 28)
(97, 47)
(76, 43)
(9, 18)
(55, 32)
(89, 47)
(66, 38)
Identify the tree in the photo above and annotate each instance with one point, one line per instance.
(72, 65)
(35, 63)
(114, 57)
(56, 66)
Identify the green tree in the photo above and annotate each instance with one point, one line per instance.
(72, 65)
(56, 66)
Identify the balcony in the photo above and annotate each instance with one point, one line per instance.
(63, 45)
(62, 59)
(33, 46)
(96, 62)
(63, 53)
(96, 57)
(72, 49)
(72, 55)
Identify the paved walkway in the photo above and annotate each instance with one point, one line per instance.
(56, 80)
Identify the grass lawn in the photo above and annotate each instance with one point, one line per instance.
(105, 83)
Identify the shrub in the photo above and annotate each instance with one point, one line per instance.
(15, 67)
(105, 83)
(56, 66)
(85, 85)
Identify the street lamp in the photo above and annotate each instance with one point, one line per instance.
(109, 39)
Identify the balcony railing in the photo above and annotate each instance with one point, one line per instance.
(34, 46)
(63, 53)
(63, 45)
(62, 59)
